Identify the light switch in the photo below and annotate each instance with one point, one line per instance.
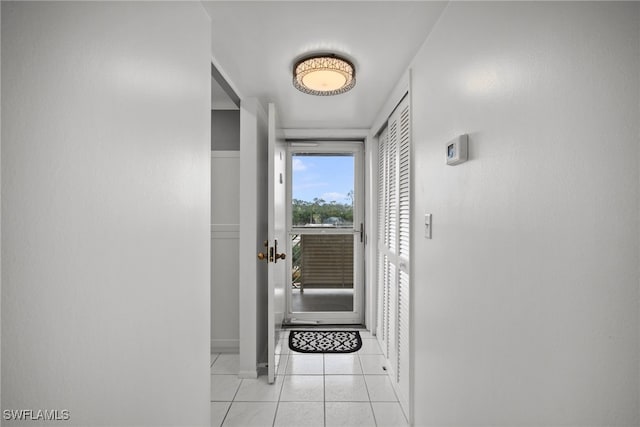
(427, 226)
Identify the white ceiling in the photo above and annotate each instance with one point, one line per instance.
(256, 42)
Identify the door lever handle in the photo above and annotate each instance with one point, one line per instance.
(261, 255)
(272, 255)
(264, 257)
(361, 231)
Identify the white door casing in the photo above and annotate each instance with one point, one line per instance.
(277, 239)
(355, 148)
(253, 229)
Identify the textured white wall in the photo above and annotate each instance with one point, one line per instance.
(105, 211)
(526, 299)
(0, 208)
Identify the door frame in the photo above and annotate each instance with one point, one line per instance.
(357, 148)
(253, 283)
(277, 233)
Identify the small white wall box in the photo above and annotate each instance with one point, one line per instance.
(458, 150)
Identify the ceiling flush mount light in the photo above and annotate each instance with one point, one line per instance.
(324, 75)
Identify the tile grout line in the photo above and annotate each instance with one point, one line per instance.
(275, 415)
(364, 377)
(237, 390)
(214, 360)
(225, 414)
(324, 392)
(236, 393)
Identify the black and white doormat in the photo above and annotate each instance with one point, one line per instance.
(325, 341)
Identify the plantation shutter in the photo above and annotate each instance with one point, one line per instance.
(392, 188)
(383, 290)
(394, 242)
(404, 227)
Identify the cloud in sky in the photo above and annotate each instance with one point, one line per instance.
(298, 165)
(334, 197)
(327, 177)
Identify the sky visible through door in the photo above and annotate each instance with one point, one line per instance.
(322, 190)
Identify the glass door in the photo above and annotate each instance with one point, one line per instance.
(325, 233)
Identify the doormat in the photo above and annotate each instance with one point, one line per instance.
(325, 341)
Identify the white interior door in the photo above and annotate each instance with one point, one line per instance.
(277, 238)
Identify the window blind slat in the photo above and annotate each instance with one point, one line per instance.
(404, 213)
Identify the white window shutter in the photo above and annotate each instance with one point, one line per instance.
(392, 187)
(394, 243)
(382, 188)
(404, 165)
(403, 361)
(383, 306)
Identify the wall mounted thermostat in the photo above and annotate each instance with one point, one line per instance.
(458, 150)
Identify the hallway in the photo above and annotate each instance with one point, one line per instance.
(311, 390)
(523, 280)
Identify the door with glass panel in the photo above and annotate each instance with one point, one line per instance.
(326, 233)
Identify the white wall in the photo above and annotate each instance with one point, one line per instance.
(105, 211)
(0, 209)
(526, 298)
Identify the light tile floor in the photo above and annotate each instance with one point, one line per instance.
(323, 390)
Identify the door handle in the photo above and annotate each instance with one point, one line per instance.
(275, 256)
(361, 231)
(261, 255)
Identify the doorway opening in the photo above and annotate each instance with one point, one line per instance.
(325, 224)
(225, 211)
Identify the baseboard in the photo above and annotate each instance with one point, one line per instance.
(225, 346)
(248, 374)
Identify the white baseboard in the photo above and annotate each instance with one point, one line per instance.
(248, 374)
(225, 346)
